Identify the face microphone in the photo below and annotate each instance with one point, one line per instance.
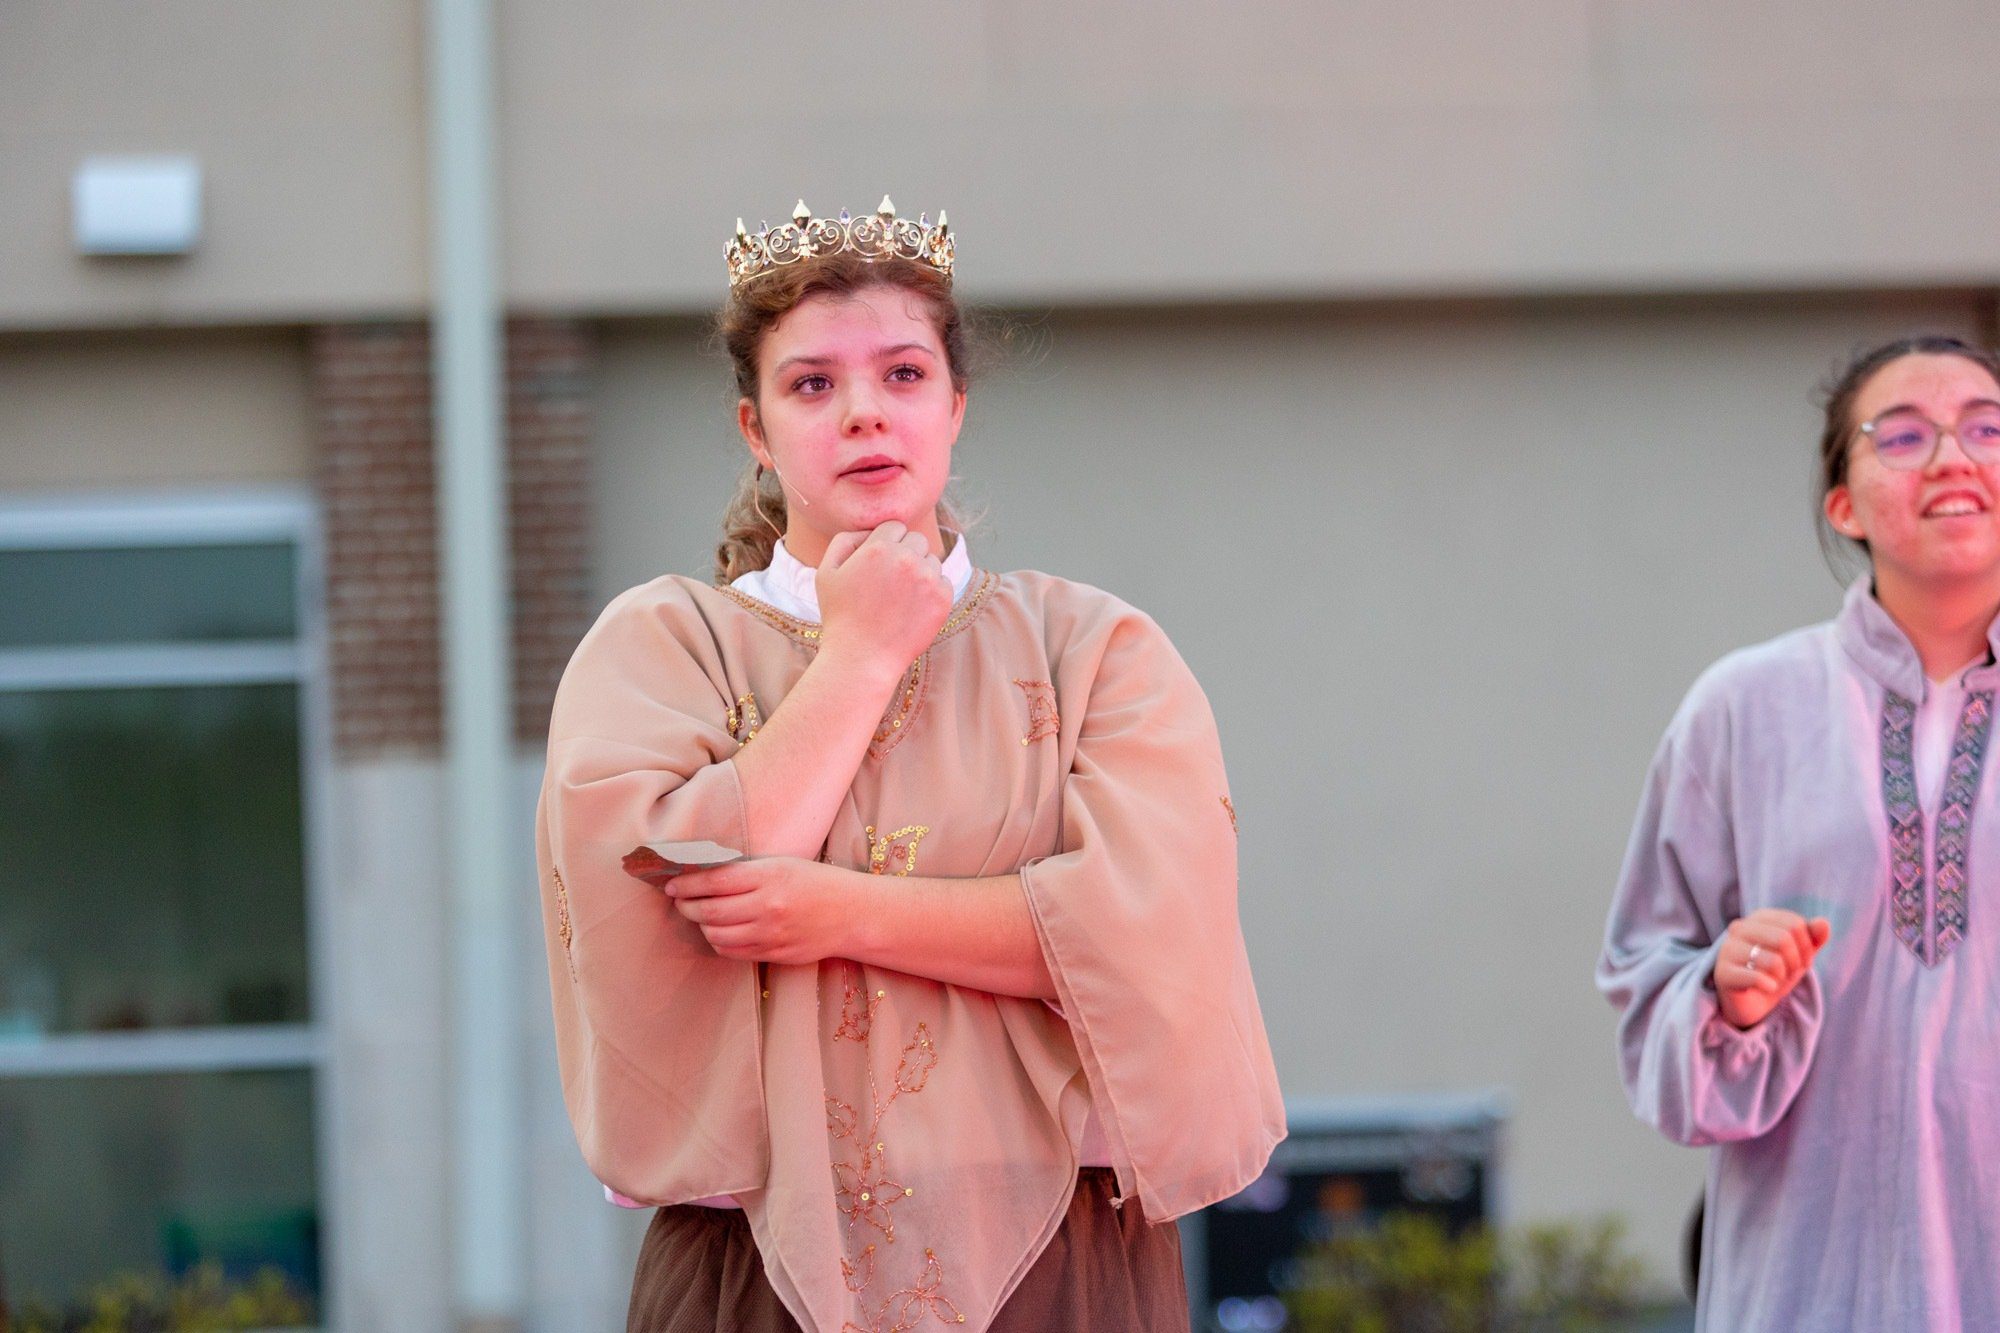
(803, 502)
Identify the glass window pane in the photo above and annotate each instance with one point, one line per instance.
(125, 1175)
(175, 594)
(151, 859)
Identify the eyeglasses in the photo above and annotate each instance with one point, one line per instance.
(1907, 440)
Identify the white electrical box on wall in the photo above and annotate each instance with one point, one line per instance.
(137, 205)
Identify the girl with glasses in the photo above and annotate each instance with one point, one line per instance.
(891, 903)
(1805, 942)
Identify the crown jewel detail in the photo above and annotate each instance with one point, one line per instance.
(873, 236)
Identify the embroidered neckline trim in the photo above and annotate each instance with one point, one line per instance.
(1928, 912)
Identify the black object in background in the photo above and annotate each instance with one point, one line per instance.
(1344, 1167)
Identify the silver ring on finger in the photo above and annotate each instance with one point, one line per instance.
(1751, 961)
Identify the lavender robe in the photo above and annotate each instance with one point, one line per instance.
(1856, 1179)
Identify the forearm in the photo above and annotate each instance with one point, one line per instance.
(967, 932)
(802, 763)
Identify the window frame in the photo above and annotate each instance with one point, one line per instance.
(248, 515)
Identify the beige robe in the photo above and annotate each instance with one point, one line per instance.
(903, 1148)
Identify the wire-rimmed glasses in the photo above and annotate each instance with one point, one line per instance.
(1906, 439)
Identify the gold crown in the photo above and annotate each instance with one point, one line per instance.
(879, 235)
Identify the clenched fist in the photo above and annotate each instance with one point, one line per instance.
(1763, 956)
(882, 596)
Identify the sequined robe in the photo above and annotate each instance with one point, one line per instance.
(1855, 1182)
(902, 1148)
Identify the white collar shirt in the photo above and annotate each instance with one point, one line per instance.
(793, 586)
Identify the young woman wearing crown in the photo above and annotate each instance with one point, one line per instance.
(891, 904)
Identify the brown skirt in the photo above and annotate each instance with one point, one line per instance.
(1106, 1270)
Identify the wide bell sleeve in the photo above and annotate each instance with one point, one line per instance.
(657, 1036)
(1137, 919)
(1688, 1071)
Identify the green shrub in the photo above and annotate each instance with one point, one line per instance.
(200, 1301)
(1573, 1279)
(1411, 1275)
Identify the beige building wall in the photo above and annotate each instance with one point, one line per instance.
(1194, 151)
(1176, 151)
(307, 119)
(1445, 573)
(132, 409)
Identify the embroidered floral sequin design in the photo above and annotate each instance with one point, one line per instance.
(564, 930)
(743, 720)
(912, 1305)
(1230, 807)
(1929, 918)
(857, 1008)
(1042, 717)
(864, 1192)
(890, 847)
(858, 1275)
(863, 1187)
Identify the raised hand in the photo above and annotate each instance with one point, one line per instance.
(1763, 956)
(882, 596)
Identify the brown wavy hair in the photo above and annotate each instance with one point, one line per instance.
(1836, 439)
(755, 517)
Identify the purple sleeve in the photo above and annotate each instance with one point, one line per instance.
(1688, 1071)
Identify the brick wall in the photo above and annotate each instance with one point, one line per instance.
(371, 396)
(548, 464)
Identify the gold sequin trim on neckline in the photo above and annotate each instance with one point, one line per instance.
(1230, 806)
(808, 632)
(903, 708)
(968, 606)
